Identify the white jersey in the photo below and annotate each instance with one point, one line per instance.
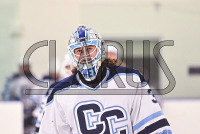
(112, 106)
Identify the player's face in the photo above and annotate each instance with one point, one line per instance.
(89, 53)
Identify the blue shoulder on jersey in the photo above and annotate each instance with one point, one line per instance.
(67, 82)
(124, 70)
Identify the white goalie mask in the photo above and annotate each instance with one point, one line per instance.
(87, 51)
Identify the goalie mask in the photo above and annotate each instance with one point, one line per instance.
(86, 49)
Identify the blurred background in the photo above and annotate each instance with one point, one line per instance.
(24, 23)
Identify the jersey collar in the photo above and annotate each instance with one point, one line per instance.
(102, 76)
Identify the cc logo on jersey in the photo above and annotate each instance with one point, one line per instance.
(92, 118)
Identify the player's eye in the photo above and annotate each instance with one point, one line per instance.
(77, 51)
(90, 48)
